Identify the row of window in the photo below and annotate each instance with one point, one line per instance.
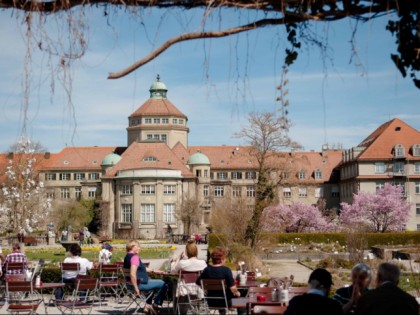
(253, 175)
(303, 192)
(71, 176)
(157, 137)
(147, 189)
(399, 150)
(397, 167)
(148, 213)
(175, 121)
(65, 193)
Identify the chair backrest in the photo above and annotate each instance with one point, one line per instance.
(69, 267)
(215, 292)
(267, 309)
(84, 284)
(18, 286)
(213, 284)
(108, 268)
(15, 277)
(15, 267)
(250, 275)
(189, 276)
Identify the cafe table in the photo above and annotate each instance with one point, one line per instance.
(48, 286)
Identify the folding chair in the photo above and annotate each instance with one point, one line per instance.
(108, 281)
(138, 300)
(82, 299)
(267, 309)
(21, 297)
(188, 292)
(69, 287)
(214, 295)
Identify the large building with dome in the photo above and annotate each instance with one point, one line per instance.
(145, 184)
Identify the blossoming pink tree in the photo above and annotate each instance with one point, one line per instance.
(381, 212)
(296, 217)
(23, 205)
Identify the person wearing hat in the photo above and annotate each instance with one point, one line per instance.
(316, 301)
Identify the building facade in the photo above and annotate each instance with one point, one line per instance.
(145, 184)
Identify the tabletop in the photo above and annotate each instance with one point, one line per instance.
(249, 284)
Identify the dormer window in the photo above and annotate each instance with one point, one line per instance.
(148, 120)
(399, 151)
(318, 174)
(149, 159)
(156, 121)
(174, 121)
(302, 174)
(181, 121)
(416, 150)
(165, 120)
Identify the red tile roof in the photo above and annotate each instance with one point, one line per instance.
(380, 143)
(133, 158)
(226, 157)
(75, 158)
(158, 107)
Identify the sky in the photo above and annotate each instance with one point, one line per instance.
(334, 98)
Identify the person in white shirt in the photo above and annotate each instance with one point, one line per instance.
(191, 264)
(104, 254)
(70, 276)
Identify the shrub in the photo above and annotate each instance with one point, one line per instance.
(334, 262)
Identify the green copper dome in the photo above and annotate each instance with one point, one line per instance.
(111, 159)
(198, 158)
(158, 89)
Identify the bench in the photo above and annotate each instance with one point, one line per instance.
(30, 240)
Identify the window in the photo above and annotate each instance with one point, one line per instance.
(318, 174)
(156, 137)
(301, 175)
(93, 176)
(181, 121)
(379, 168)
(218, 191)
(135, 122)
(148, 120)
(51, 176)
(398, 167)
(149, 159)
(163, 138)
(91, 192)
(156, 121)
(417, 187)
(169, 212)
(126, 213)
(236, 175)
(78, 193)
(417, 167)
(211, 175)
(147, 213)
(206, 173)
(50, 195)
(65, 176)
(174, 120)
(65, 193)
(285, 175)
(149, 137)
(236, 191)
(126, 190)
(165, 121)
(250, 191)
(417, 208)
(287, 192)
(79, 176)
(205, 190)
(250, 175)
(303, 193)
(222, 175)
(416, 150)
(169, 189)
(418, 227)
(335, 192)
(400, 184)
(379, 186)
(399, 150)
(319, 192)
(147, 189)
(198, 173)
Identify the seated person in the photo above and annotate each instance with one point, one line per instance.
(349, 296)
(71, 276)
(191, 264)
(217, 270)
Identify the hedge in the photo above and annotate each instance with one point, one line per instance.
(388, 239)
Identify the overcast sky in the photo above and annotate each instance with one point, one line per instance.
(216, 83)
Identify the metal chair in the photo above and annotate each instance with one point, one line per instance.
(108, 281)
(188, 293)
(214, 295)
(21, 297)
(138, 300)
(15, 268)
(82, 299)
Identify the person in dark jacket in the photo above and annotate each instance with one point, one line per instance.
(387, 298)
(316, 301)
